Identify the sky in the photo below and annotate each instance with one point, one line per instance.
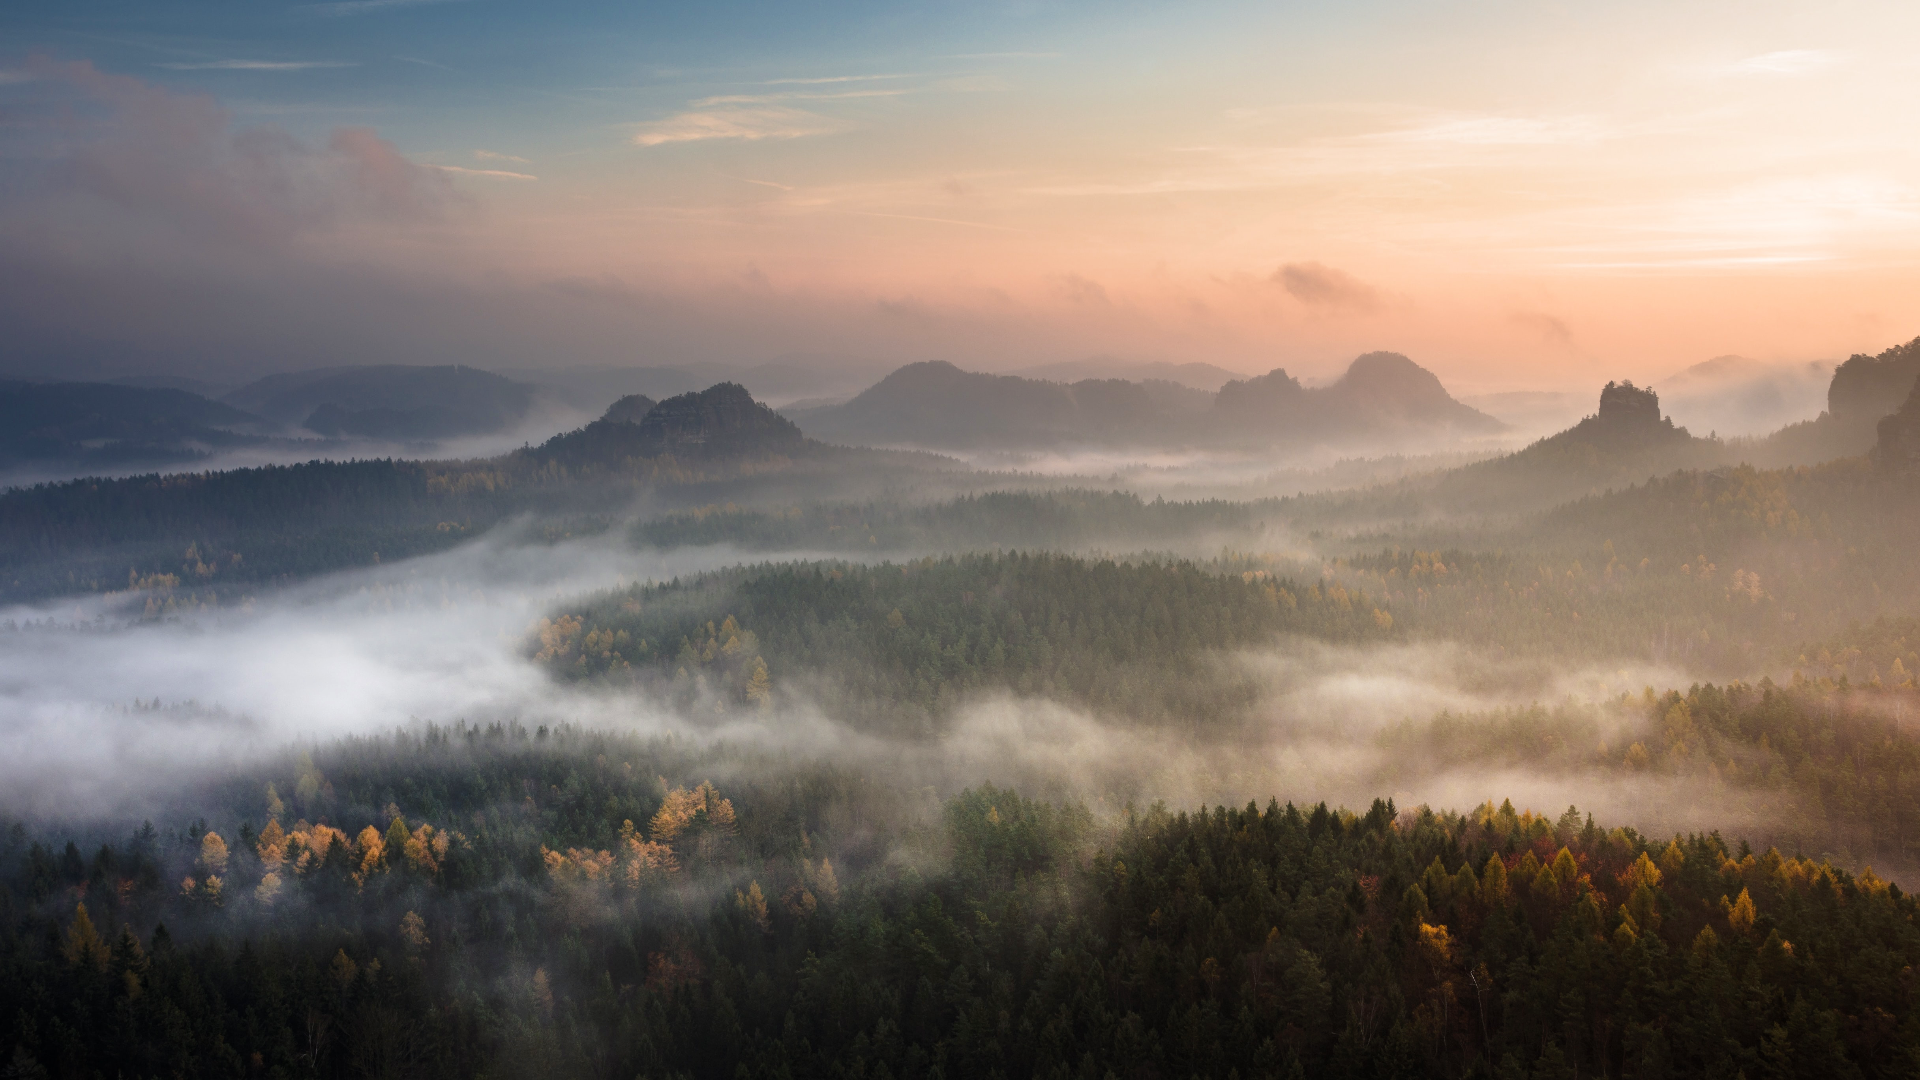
(1518, 195)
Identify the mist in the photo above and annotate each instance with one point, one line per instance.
(109, 713)
(1026, 542)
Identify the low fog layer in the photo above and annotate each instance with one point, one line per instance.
(105, 714)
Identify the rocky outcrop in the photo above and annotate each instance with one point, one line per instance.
(720, 419)
(718, 422)
(1898, 447)
(1866, 388)
(1629, 417)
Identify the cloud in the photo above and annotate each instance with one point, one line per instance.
(497, 174)
(259, 65)
(1084, 291)
(768, 122)
(1785, 62)
(177, 162)
(794, 95)
(1551, 328)
(836, 79)
(1320, 286)
(1496, 131)
(490, 155)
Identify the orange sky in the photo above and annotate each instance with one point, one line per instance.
(1516, 194)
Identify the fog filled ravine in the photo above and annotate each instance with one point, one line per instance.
(972, 725)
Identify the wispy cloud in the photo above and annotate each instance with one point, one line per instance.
(1005, 56)
(496, 174)
(923, 217)
(1785, 62)
(422, 63)
(1324, 287)
(258, 65)
(10, 76)
(794, 95)
(342, 8)
(835, 79)
(490, 155)
(1497, 131)
(765, 122)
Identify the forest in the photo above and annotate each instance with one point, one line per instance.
(682, 746)
(564, 902)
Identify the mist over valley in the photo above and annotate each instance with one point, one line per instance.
(905, 542)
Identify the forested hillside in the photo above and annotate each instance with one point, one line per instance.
(896, 646)
(516, 903)
(275, 524)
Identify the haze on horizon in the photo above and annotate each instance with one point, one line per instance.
(1517, 196)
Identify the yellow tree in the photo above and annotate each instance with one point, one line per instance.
(754, 903)
(413, 930)
(83, 944)
(213, 853)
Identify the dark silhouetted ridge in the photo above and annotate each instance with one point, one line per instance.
(1870, 387)
(97, 424)
(1898, 447)
(720, 421)
(1382, 398)
(1629, 418)
(389, 401)
(630, 409)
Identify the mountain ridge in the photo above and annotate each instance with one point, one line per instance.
(1382, 395)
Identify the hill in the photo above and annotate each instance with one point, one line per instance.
(1734, 396)
(937, 404)
(722, 421)
(1625, 441)
(1382, 399)
(389, 401)
(99, 425)
(1195, 375)
(278, 523)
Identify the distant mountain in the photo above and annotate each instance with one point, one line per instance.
(389, 401)
(934, 403)
(1532, 412)
(1389, 392)
(595, 388)
(1732, 395)
(722, 421)
(99, 425)
(1198, 376)
(173, 382)
(1382, 398)
(785, 379)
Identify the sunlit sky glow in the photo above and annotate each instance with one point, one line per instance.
(1516, 194)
